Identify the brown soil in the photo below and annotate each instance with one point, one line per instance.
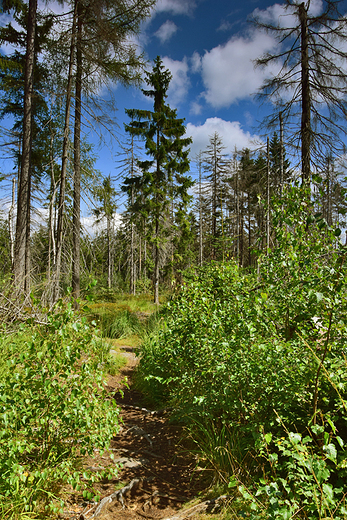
(149, 448)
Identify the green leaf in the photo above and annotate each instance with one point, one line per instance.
(328, 492)
(295, 437)
(232, 482)
(268, 438)
(319, 296)
(330, 452)
(340, 441)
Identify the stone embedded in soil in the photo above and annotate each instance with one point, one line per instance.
(129, 462)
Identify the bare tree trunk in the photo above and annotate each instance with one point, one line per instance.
(27, 280)
(132, 269)
(329, 204)
(76, 257)
(222, 222)
(19, 263)
(249, 231)
(156, 274)
(61, 203)
(268, 196)
(306, 99)
(51, 230)
(109, 262)
(10, 220)
(281, 155)
(214, 205)
(140, 256)
(200, 215)
(237, 195)
(156, 249)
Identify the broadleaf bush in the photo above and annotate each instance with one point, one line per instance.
(263, 353)
(53, 410)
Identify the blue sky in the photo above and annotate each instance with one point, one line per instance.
(209, 46)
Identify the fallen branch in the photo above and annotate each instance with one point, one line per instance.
(120, 495)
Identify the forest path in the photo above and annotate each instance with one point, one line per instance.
(156, 478)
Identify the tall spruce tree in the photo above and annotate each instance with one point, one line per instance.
(163, 177)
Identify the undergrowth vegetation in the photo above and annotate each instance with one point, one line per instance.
(255, 363)
(124, 317)
(53, 410)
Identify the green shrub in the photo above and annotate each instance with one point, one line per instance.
(237, 351)
(53, 410)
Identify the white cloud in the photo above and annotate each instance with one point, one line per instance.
(228, 71)
(195, 61)
(175, 6)
(91, 227)
(284, 17)
(54, 7)
(180, 83)
(230, 132)
(195, 108)
(166, 31)
(225, 26)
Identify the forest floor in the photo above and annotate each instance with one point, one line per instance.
(157, 479)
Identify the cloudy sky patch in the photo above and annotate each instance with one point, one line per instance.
(166, 31)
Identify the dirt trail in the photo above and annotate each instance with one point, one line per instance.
(158, 470)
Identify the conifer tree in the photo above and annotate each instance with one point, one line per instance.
(163, 177)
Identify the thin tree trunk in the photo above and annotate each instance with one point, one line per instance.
(281, 155)
(329, 205)
(200, 215)
(76, 258)
(242, 225)
(19, 263)
(214, 205)
(249, 232)
(156, 249)
(237, 196)
(27, 280)
(132, 269)
(140, 256)
(10, 220)
(61, 203)
(306, 98)
(268, 196)
(51, 234)
(109, 262)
